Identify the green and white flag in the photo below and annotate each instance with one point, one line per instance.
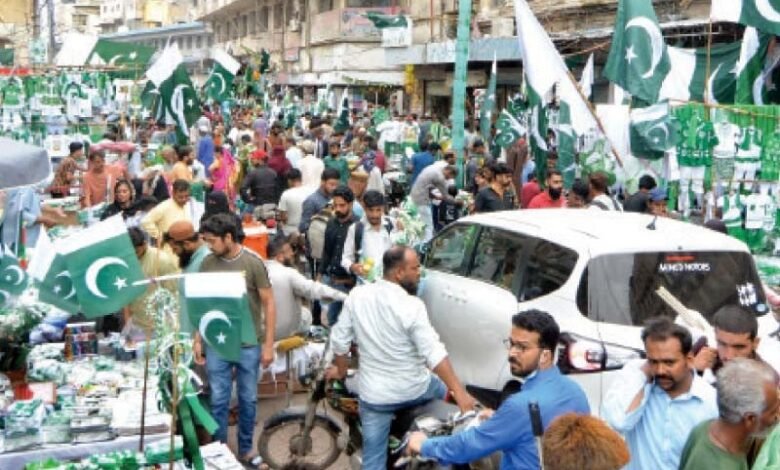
(217, 305)
(120, 54)
(177, 95)
(50, 273)
(751, 74)
(566, 145)
(763, 15)
(342, 121)
(103, 267)
(652, 131)
(537, 132)
(13, 279)
(587, 78)
(512, 123)
(638, 60)
(486, 110)
(381, 21)
(219, 84)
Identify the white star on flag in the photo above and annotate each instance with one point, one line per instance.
(133, 55)
(57, 289)
(190, 103)
(221, 338)
(630, 55)
(120, 283)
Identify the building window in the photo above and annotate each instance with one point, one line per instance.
(324, 5)
(244, 25)
(278, 16)
(252, 20)
(198, 42)
(210, 41)
(262, 20)
(189, 42)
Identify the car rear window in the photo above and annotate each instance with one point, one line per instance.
(621, 288)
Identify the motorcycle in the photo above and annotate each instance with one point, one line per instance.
(304, 435)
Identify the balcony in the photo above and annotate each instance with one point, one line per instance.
(347, 24)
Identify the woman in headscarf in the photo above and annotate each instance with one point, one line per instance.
(124, 201)
(217, 203)
(221, 173)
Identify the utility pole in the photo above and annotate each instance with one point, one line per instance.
(459, 85)
(50, 54)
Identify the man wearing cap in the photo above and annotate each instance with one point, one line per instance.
(185, 242)
(259, 186)
(311, 167)
(656, 203)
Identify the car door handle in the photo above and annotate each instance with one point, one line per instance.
(447, 293)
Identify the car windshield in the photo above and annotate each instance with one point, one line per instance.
(621, 288)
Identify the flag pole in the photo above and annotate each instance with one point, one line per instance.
(595, 116)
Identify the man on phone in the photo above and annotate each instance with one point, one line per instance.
(655, 403)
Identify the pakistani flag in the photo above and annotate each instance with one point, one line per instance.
(566, 145)
(587, 78)
(763, 15)
(638, 59)
(13, 279)
(217, 305)
(103, 267)
(512, 123)
(486, 111)
(219, 84)
(537, 131)
(652, 131)
(50, 272)
(177, 95)
(387, 21)
(342, 121)
(751, 71)
(120, 54)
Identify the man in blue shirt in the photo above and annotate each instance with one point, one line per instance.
(422, 159)
(656, 403)
(532, 345)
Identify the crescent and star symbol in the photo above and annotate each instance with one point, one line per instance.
(656, 43)
(58, 288)
(94, 271)
(766, 10)
(210, 316)
(14, 271)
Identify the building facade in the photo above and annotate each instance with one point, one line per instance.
(18, 27)
(313, 43)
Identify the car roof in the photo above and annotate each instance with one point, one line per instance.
(604, 232)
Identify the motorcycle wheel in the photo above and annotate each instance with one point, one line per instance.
(279, 445)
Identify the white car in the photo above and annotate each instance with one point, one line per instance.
(595, 272)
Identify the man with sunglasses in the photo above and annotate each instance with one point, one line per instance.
(532, 344)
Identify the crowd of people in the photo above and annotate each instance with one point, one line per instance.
(323, 195)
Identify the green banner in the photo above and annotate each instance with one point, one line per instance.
(6, 57)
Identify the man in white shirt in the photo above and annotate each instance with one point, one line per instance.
(398, 350)
(368, 240)
(311, 167)
(290, 286)
(293, 153)
(390, 135)
(291, 203)
(657, 402)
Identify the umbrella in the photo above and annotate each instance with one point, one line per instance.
(22, 164)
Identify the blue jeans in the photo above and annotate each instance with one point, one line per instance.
(334, 308)
(220, 374)
(376, 420)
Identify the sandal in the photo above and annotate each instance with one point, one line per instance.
(253, 462)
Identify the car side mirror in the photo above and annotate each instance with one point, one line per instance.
(422, 251)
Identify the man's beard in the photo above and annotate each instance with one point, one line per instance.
(765, 433)
(555, 193)
(341, 216)
(288, 262)
(409, 286)
(520, 373)
(184, 258)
